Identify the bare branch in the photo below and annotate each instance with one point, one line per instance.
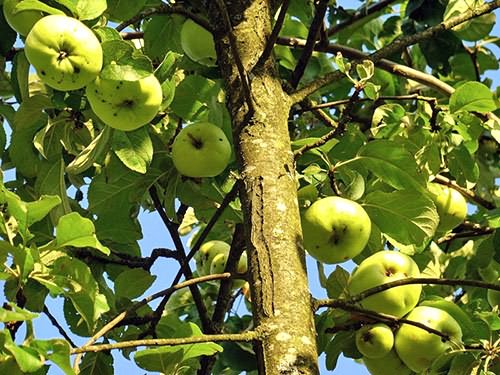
(483, 231)
(232, 337)
(56, 324)
(363, 12)
(274, 34)
(312, 37)
(166, 292)
(182, 259)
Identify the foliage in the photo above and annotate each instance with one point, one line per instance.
(72, 187)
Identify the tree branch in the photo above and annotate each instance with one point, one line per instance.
(379, 317)
(163, 293)
(417, 280)
(56, 324)
(466, 192)
(183, 261)
(363, 12)
(274, 34)
(232, 337)
(165, 9)
(397, 45)
(483, 231)
(312, 37)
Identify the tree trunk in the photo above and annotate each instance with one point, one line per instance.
(280, 295)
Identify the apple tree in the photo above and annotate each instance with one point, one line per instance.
(372, 125)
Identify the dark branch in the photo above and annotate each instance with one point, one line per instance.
(56, 324)
(466, 192)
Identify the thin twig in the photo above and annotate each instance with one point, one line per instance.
(466, 234)
(172, 228)
(312, 37)
(230, 196)
(466, 192)
(164, 9)
(274, 34)
(231, 337)
(414, 280)
(166, 292)
(363, 12)
(56, 324)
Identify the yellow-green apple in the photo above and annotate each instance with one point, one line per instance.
(20, 20)
(218, 263)
(65, 53)
(201, 150)
(198, 43)
(451, 206)
(390, 364)
(207, 252)
(418, 348)
(380, 268)
(374, 341)
(335, 229)
(125, 105)
(493, 296)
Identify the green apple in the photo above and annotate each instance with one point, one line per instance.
(493, 297)
(451, 206)
(201, 150)
(207, 253)
(198, 43)
(20, 21)
(418, 348)
(374, 341)
(65, 53)
(335, 229)
(125, 105)
(390, 364)
(218, 264)
(380, 268)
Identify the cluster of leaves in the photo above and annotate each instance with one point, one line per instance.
(69, 215)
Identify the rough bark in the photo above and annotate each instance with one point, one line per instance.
(280, 294)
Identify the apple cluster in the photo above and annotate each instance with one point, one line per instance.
(211, 258)
(67, 56)
(406, 348)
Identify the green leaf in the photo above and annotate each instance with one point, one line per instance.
(336, 283)
(15, 313)
(161, 35)
(27, 359)
(122, 62)
(74, 230)
(28, 120)
(51, 181)
(39, 209)
(386, 120)
(92, 153)
(122, 10)
(57, 351)
(20, 76)
(336, 346)
(407, 216)
(474, 29)
(462, 165)
(37, 5)
(134, 149)
(100, 363)
(192, 95)
(133, 283)
(89, 9)
(390, 162)
(472, 96)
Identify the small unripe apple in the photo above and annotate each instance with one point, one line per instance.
(335, 229)
(390, 364)
(218, 264)
(198, 43)
(207, 252)
(201, 150)
(20, 21)
(451, 207)
(65, 53)
(380, 268)
(125, 105)
(374, 341)
(418, 348)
